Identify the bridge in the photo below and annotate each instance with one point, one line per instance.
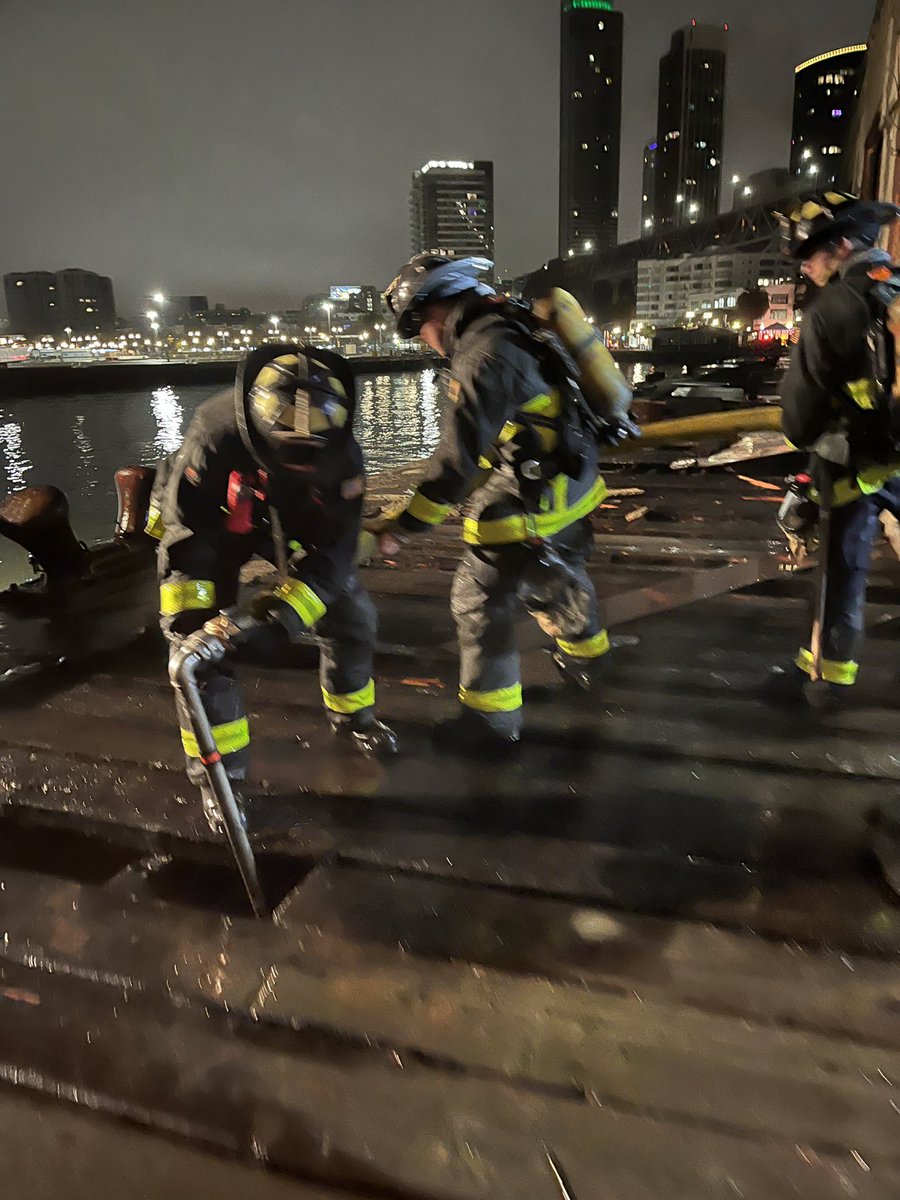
(605, 281)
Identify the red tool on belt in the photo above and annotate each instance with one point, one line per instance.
(245, 492)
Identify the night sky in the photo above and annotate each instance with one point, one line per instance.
(257, 151)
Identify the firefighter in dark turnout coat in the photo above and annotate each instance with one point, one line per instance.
(272, 469)
(835, 405)
(515, 450)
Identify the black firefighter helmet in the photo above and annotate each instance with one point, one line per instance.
(293, 402)
(430, 277)
(823, 217)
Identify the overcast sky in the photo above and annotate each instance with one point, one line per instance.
(257, 150)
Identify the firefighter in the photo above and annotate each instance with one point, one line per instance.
(836, 400)
(516, 448)
(272, 469)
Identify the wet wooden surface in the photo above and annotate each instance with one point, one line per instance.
(654, 942)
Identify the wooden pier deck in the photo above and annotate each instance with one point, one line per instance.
(648, 958)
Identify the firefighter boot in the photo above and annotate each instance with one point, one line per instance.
(790, 687)
(367, 734)
(583, 673)
(474, 736)
(213, 813)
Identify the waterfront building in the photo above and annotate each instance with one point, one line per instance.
(182, 307)
(826, 92)
(648, 187)
(668, 290)
(451, 208)
(690, 126)
(590, 126)
(32, 302)
(86, 300)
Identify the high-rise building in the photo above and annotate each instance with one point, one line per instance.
(690, 125)
(32, 302)
(182, 307)
(451, 208)
(590, 118)
(670, 289)
(826, 89)
(86, 300)
(40, 302)
(648, 187)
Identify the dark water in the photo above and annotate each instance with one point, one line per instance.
(77, 442)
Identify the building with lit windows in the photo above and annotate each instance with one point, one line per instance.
(41, 302)
(648, 187)
(590, 126)
(677, 289)
(690, 126)
(451, 208)
(826, 91)
(32, 303)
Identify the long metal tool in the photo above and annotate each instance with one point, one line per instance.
(210, 645)
(820, 595)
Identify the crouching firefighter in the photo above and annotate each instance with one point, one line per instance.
(841, 401)
(271, 469)
(519, 446)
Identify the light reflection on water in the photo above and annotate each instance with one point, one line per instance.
(77, 442)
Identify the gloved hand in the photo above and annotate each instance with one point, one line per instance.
(798, 517)
(388, 534)
(617, 430)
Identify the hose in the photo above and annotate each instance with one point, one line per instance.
(713, 424)
(212, 644)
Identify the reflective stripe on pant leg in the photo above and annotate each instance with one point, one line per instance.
(303, 600)
(346, 638)
(499, 700)
(229, 738)
(350, 702)
(484, 603)
(833, 671)
(592, 647)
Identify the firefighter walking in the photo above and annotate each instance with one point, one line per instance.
(517, 449)
(837, 403)
(272, 469)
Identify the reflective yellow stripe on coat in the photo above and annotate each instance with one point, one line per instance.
(229, 738)
(429, 512)
(303, 600)
(350, 702)
(186, 595)
(504, 530)
(154, 527)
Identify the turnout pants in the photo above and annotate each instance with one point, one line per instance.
(853, 529)
(486, 600)
(200, 579)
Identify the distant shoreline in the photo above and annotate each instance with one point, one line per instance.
(59, 379)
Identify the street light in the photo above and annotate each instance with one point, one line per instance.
(276, 321)
(158, 298)
(588, 245)
(328, 306)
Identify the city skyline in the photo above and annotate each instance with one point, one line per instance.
(140, 158)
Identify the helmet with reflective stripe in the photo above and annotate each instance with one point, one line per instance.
(824, 217)
(291, 402)
(430, 277)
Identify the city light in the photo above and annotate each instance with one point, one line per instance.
(158, 298)
(588, 245)
(735, 179)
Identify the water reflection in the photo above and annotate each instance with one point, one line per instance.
(15, 462)
(398, 417)
(86, 450)
(169, 421)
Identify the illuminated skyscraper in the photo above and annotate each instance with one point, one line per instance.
(825, 92)
(690, 125)
(590, 122)
(451, 208)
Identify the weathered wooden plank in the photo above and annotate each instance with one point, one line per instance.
(57, 1151)
(355, 1122)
